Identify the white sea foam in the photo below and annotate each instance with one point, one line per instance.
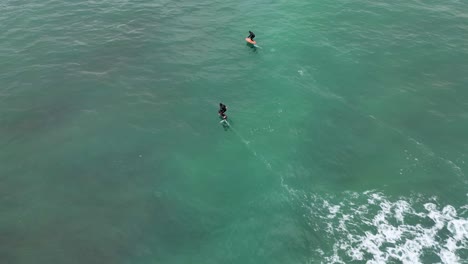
(372, 228)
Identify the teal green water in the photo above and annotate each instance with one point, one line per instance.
(347, 140)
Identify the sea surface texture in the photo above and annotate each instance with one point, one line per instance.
(346, 141)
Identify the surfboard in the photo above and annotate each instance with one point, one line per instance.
(253, 42)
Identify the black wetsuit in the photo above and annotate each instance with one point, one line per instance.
(222, 110)
(251, 35)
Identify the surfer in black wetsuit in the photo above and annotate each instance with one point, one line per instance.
(251, 35)
(222, 110)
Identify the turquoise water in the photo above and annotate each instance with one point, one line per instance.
(347, 140)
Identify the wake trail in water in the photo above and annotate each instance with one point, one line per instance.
(247, 145)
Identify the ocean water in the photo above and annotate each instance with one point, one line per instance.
(348, 136)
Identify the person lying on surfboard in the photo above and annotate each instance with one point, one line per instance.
(222, 110)
(251, 35)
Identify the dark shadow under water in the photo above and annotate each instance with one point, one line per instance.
(252, 47)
